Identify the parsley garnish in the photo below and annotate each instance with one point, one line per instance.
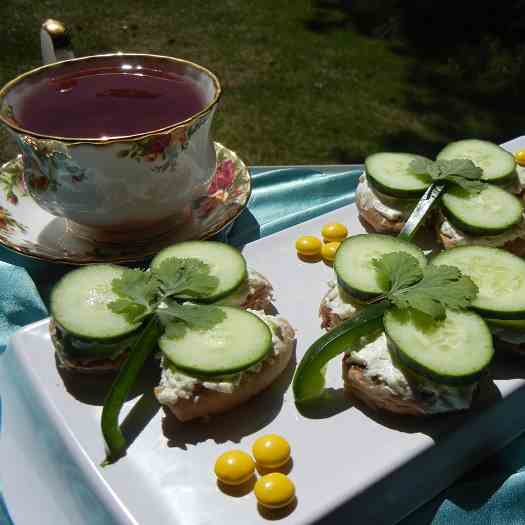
(160, 291)
(429, 290)
(462, 172)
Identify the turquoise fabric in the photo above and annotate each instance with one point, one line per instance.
(493, 493)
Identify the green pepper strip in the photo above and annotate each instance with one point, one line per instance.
(140, 351)
(309, 378)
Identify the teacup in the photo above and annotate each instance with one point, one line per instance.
(129, 172)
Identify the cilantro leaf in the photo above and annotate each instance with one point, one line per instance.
(462, 172)
(188, 276)
(174, 329)
(430, 290)
(136, 291)
(176, 317)
(397, 270)
(441, 287)
(461, 167)
(421, 166)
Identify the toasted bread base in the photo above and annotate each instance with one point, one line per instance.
(329, 319)
(516, 246)
(376, 396)
(378, 222)
(210, 402)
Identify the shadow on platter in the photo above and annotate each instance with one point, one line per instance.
(232, 426)
(332, 402)
(237, 491)
(92, 389)
(507, 365)
(425, 237)
(277, 514)
(338, 400)
(142, 412)
(283, 469)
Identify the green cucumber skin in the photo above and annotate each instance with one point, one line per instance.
(468, 228)
(388, 190)
(214, 297)
(199, 374)
(517, 325)
(421, 370)
(80, 348)
(503, 180)
(486, 313)
(308, 382)
(211, 374)
(463, 226)
(354, 293)
(392, 192)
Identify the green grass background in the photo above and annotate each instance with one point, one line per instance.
(304, 81)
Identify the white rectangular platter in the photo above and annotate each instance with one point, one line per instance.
(348, 463)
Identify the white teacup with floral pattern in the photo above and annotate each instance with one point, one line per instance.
(117, 188)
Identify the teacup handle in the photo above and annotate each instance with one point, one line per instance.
(55, 42)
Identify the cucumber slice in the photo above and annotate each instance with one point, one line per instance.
(353, 262)
(390, 174)
(497, 164)
(79, 304)
(89, 349)
(454, 351)
(489, 212)
(499, 275)
(511, 324)
(226, 263)
(238, 342)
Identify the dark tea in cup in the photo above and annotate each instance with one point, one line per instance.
(110, 101)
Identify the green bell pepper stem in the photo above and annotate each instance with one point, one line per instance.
(309, 379)
(144, 345)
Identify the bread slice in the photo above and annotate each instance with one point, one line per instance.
(379, 223)
(203, 402)
(376, 396)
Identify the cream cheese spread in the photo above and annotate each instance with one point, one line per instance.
(461, 238)
(375, 359)
(175, 384)
(254, 282)
(338, 303)
(389, 207)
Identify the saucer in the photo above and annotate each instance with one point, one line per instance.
(31, 231)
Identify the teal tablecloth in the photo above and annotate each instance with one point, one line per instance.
(493, 493)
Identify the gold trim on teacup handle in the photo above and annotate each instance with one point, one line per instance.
(55, 41)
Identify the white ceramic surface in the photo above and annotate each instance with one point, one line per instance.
(357, 465)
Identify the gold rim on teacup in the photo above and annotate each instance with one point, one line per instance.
(111, 140)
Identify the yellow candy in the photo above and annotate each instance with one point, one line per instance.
(274, 490)
(234, 467)
(520, 157)
(329, 250)
(308, 246)
(334, 232)
(271, 451)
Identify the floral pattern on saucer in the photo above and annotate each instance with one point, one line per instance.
(29, 230)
